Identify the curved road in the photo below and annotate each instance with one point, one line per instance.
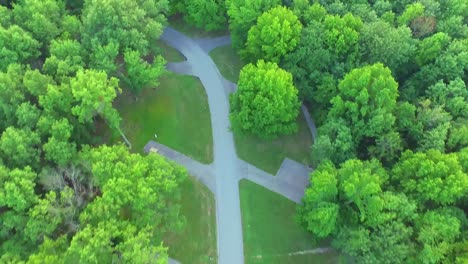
(225, 165)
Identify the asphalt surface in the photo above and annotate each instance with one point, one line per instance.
(225, 165)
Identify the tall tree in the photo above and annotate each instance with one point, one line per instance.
(18, 46)
(366, 100)
(334, 142)
(266, 102)
(40, 17)
(206, 14)
(276, 33)
(94, 93)
(65, 59)
(19, 148)
(242, 16)
(381, 42)
(139, 73)
(431, 177)
(139, 25)
(328, 49)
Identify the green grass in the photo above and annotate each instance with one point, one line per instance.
(269, 154)
(177, 111)
(177, 22)
(169, 53)
(228, 62)
(196, 243)
(271, 232)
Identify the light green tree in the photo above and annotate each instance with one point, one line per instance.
(242, 16)
(366, 100)
(19, 147)
(65, 59)
(40, 17)
(276, 33)
(18, 46)
(139, 25)
(266, 102)
(431, 176)
(139, 73)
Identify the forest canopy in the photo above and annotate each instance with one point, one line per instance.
(385, 82)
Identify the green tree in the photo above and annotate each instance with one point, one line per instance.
(139, 25)
(206, 14)
(103, 58)
(12, 94)
(17, 46)
(276, 33)
(381, 42)
(112, 240)
(94, 94)
(431, 177)
(17, 195)
(27, 115)
(65, 59)
(334, 142)
(19, 148)
(133, 190)
(434, 124)
(242, 16)
(5, 16)
(328, 49)
(431, 47)
(40, 17)
(366, 100)
(50, 251)
(320, 210)
(139, 73)
(58, 148)
(437, 231)
(266, 102)
(452, 96)
(36, 83)
(411, 12)
(360, 184)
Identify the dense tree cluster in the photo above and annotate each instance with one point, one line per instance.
(64, 198)
(387, 84)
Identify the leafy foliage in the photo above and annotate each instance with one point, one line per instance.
(265, 103)
(242, 16)
(276, 33)
(140, 74)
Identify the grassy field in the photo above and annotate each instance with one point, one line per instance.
(228, 62)
(177, 111)
(179, 24)
(169, 53)
(270, 231)
(269, 154)
(196, 243)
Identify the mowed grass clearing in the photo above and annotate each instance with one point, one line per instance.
(176, 111)
(271, 234)
(169, 53)
(268, 154)
(196, 243)
(228, 62)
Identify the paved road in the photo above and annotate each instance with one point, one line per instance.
(225, 167)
